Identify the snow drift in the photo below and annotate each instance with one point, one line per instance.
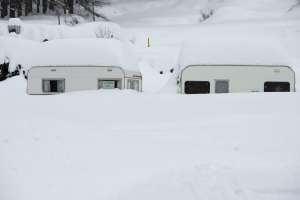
(101, 52)
(233, 50)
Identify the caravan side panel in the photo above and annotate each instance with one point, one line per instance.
(133, 80)
(238, 78)
(75, 78)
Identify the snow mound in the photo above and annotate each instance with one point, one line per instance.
(172, 12)
(201, 182)
(18, 51)
(15, 22)
(158, 12)
(232, 51)
(99, 52)
(40, 32)
(102, 52)
(237, 10)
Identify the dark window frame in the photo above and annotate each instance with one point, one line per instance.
(54, 79)
(190, 87)
(110, 79)
(277, 86)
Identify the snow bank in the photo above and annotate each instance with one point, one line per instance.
(40, 32)
(156, 12)
(232, 51)
(245, 10)
(101, 52)
(18, 51)
(171, 12)
(211, 182)
(99, 145)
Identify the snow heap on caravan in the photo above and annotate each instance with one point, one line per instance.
(233, 65)
(83, 64)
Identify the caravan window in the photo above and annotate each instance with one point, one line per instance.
(54, 86)
(221, 86)
(109, 84)
(197, 87)
(133, 84)
(277, 87)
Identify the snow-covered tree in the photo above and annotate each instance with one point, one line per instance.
(16, 8)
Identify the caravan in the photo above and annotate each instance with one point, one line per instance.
(88, 64)
(233, 66)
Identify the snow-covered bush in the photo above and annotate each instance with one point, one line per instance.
(205, 14)
(15, 22)
(108, 30)
(14, 25)
(73, 20)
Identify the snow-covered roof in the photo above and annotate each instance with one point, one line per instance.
(14, 22)
(100, 52)
(70, 52)
(232, 51)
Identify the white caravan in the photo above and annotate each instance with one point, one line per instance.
(233, 66)
(86, 64)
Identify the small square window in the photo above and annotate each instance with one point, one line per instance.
(55, 86)
(133, 84)
(222, 86)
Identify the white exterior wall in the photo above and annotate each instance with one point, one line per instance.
(241, 78)
(76, 78)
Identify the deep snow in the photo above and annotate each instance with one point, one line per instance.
(157, 144)
(128, 145)
(74, 52)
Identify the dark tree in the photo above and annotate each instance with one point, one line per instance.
(38, 4)
(12, 8)
(51, 4)
(45, 6)
(19, 7)
(28, 7)
(4, 6)
(70, 5)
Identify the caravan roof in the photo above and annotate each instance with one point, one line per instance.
(232, 51)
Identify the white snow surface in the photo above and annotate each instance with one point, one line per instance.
(241, 51)
(124, 145)
(128, 145)
(69, 52)
(39, 32)
(174, 12)
(86, 52)
(14, 22)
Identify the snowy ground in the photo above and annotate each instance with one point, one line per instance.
(127, 145)
(158, 144)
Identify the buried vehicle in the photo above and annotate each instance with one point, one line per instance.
(60, 79)
(234, 66)
(87, 64)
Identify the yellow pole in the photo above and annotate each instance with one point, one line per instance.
(148, 42)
